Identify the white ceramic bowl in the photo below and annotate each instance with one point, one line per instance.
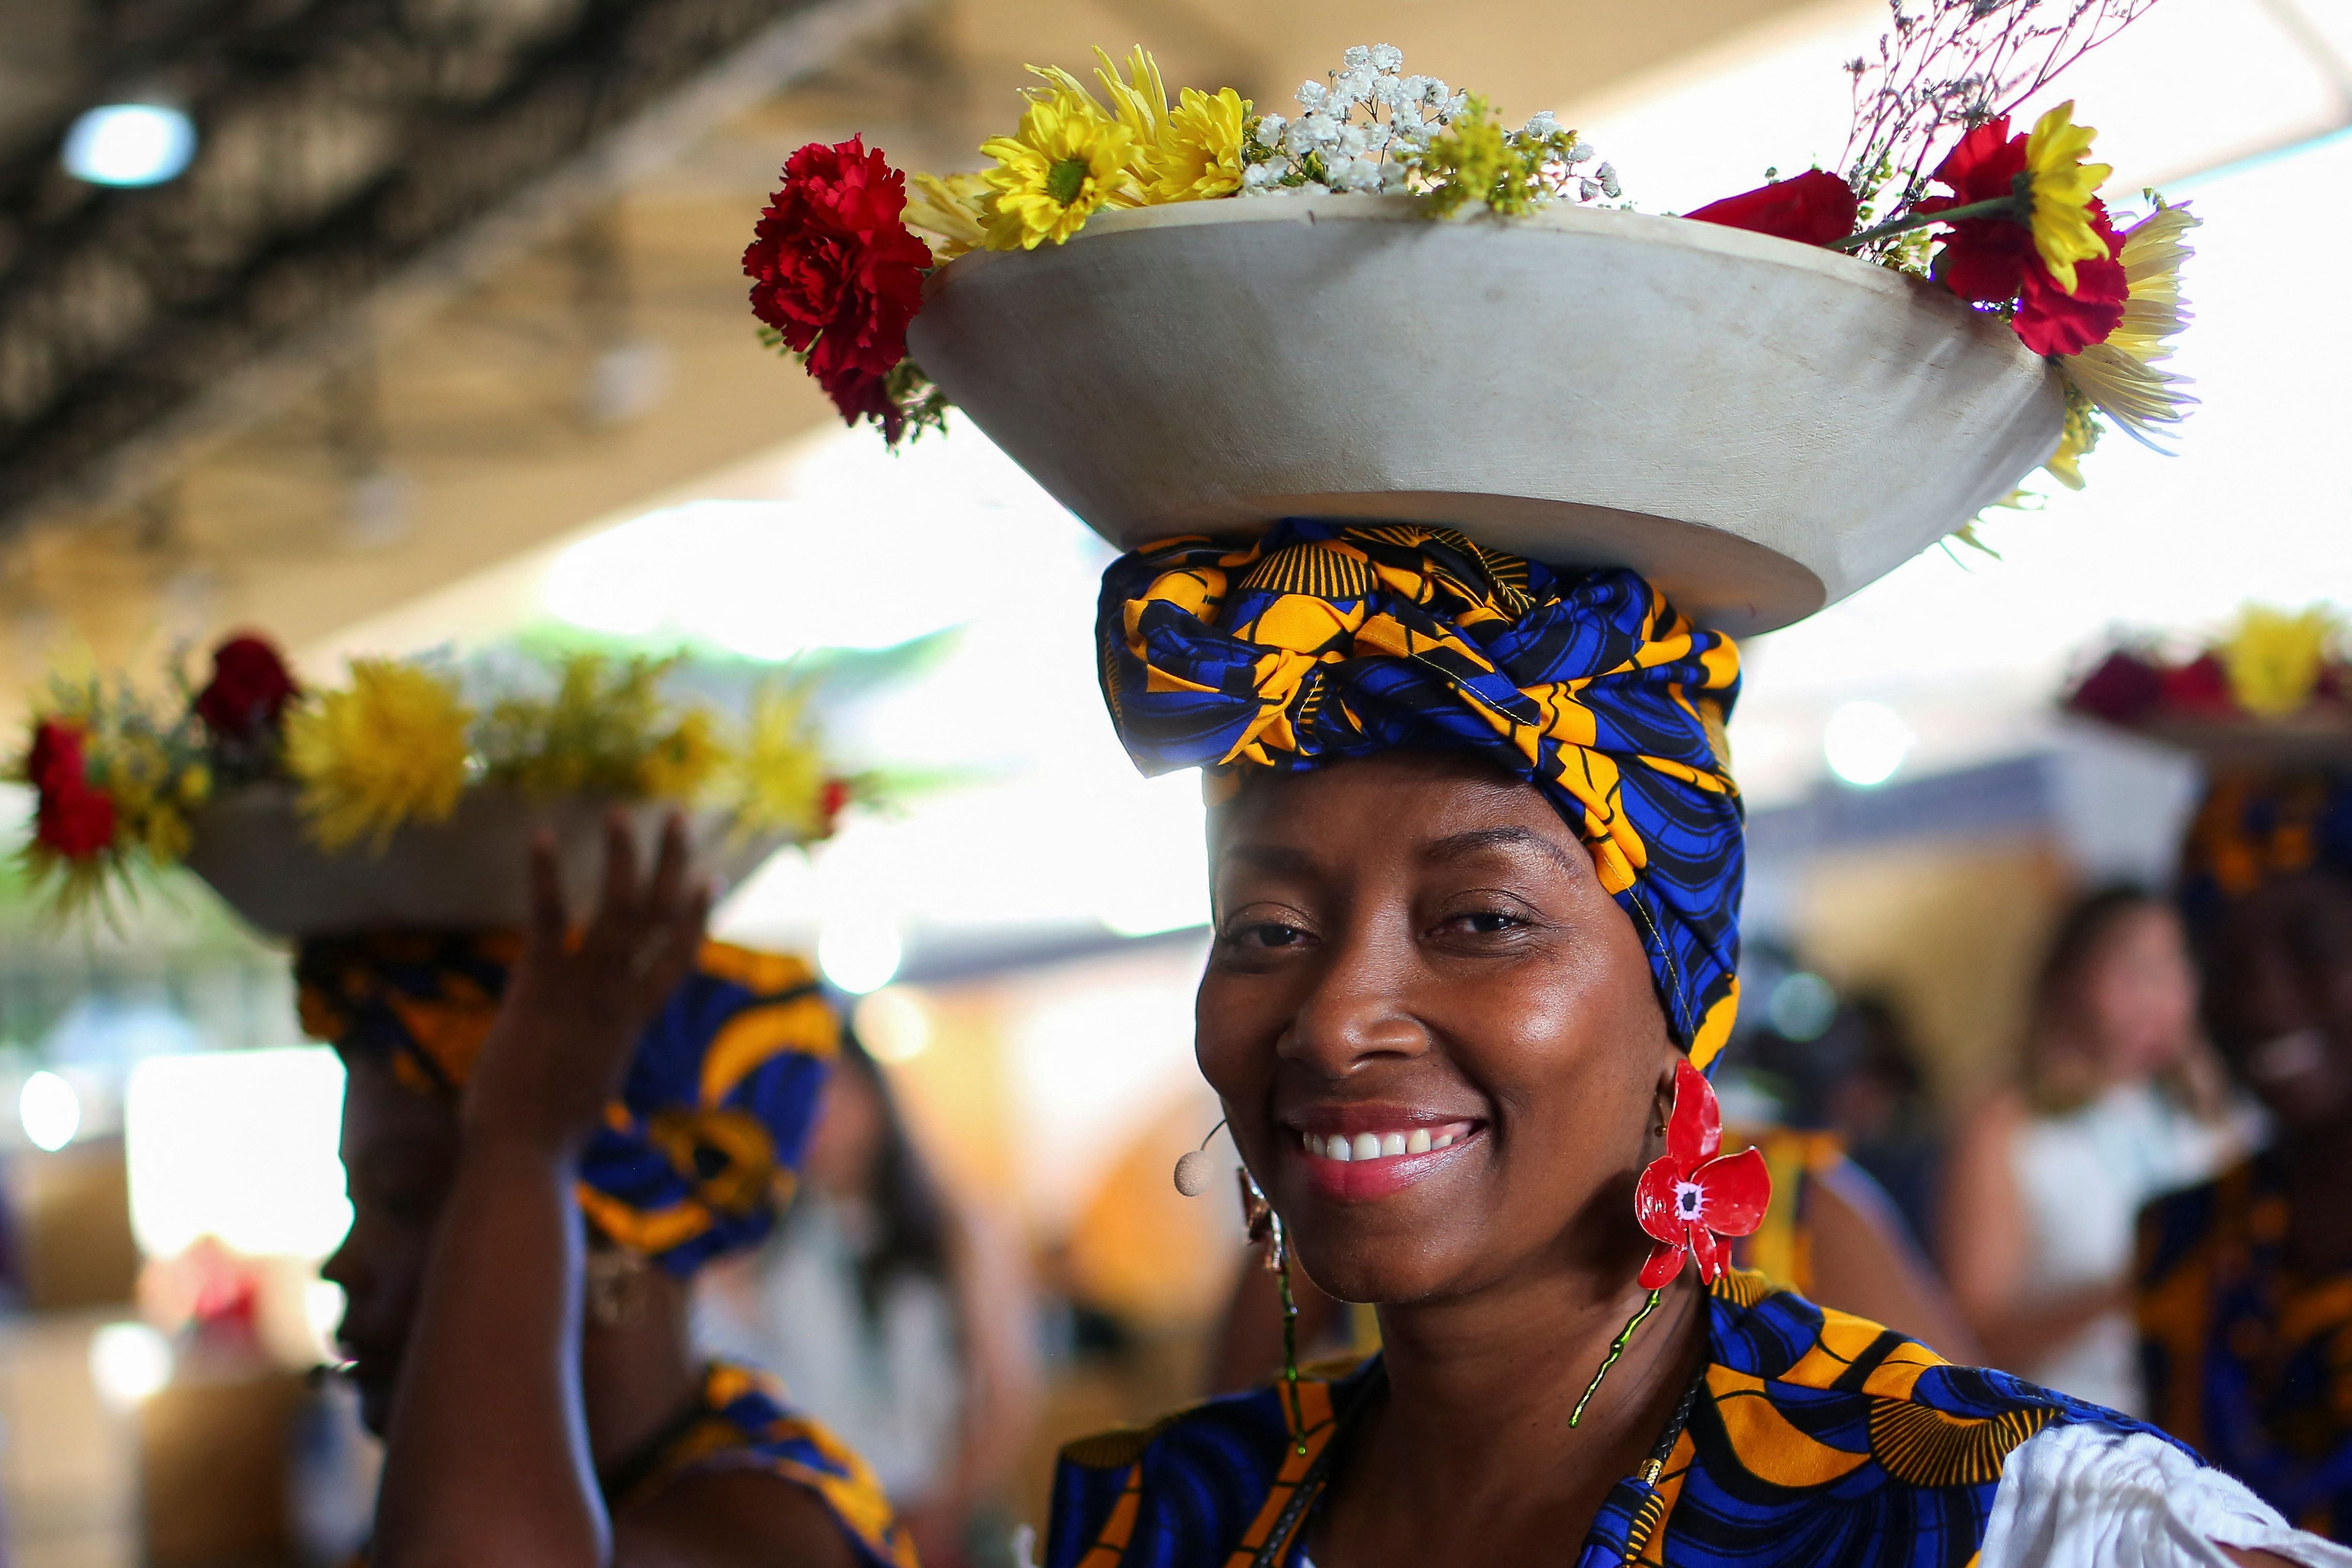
(468, 872)
(1760, 427)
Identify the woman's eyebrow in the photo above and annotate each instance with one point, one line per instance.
(1476, 841)
(1280, 858)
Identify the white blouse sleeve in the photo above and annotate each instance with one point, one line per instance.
(2085, 1497)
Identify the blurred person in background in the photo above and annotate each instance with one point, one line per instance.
(2120, 1099)
(2245, 1282)
(896, 1316)
(532, 1373)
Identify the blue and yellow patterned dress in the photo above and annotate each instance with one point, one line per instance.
(2245, 1362)
(742, 1423)
(1815, 1439)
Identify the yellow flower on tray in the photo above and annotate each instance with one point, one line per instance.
(1198, 155)
(779, 772)
(680, 765)
(2062, 187)
(1067, 160)
(952, 209)
(389, 751)
(2121, 376)
(2274, 658)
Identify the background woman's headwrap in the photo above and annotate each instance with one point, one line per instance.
(698, 1154)
(2254, 827)
(1322, 642)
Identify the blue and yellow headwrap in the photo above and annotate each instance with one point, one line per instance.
(1322, 642)
(697, 1156)
(2254, 827)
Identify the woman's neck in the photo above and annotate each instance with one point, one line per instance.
(1476, 1425)
(637, 1378)
(2315, 1166)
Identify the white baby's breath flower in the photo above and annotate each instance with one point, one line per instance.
(1394, 177)
(1357, 85)
(1587, 190)
(1353, 143)
(1607, 176)
(1386, 58)
(1359, 56)
(1377, 138)
(1259, 178)
(1269, 129)
(1583, 151)
(1416, 90)
(1388, 92)
(1312, 95)
(1540, 126)
(1455, 105)
(1356, 174)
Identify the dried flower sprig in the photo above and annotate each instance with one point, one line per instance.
(1955, 63)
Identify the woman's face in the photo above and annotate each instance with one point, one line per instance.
(2279, 998)
(400, 1159)
(848, 1129)
(1412, 952)
(2139, 993)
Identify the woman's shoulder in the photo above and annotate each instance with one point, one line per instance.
(1200, 1480)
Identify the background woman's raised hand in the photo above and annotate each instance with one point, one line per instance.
(576, 1004)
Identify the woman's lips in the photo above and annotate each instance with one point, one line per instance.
(1373, 1161)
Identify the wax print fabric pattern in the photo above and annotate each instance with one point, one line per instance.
(743, 1424)
(697, 1156)
(1322, 642)
(2244, 1361)
(2255, 826)
(1817, 1440)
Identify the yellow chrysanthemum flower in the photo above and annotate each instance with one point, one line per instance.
(780, 773)
(2120, 376)
(2274, 658)
(1198, 155)
(1068, 160)
(951, 210)
(2062, 187)
(682, 763)
(1139, 100)
(2075, 442)
(389, 751)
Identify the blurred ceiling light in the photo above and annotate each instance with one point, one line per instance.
(762, 578)
(130, 1362)
(1865, 743)
(50, 1111)
(893, 1024)
(237, 1144)
(129, 144)
(860, 953)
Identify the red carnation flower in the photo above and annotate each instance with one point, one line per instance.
(1992, 260)
(68, 816)
(835, 272)
(2052, 321)
(830, 801)
(2200, 686)
(1812, 208)
(248, 695)
(1689, 1198)
(2124, 689)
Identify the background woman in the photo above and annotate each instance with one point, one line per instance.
(894, 1315)
(2119, 1100)
(532, 1376)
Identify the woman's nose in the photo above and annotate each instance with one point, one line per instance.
(1356, 1010)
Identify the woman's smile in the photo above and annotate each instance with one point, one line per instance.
(1354, 1154)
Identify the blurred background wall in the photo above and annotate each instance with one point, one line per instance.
(385, 324)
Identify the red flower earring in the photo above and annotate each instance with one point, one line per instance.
(1688, 1199)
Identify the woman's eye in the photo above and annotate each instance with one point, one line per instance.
(1485, 922)
(1266, 934)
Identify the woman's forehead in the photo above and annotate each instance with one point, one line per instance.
(1429, 808)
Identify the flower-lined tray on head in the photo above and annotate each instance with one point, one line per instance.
(1392, 306)
(408, 797)
(2273, 690)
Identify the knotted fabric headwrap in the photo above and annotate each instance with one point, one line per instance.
(2255, 826)
(1323, 642)
(696, 1157)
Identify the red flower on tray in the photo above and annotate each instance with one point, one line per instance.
(1692, 1196)
(248, 695)
(70, 816)
(838, 274)
(1811, 208)
(1992, 260)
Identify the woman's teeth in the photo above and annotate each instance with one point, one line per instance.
(1383, 1145)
